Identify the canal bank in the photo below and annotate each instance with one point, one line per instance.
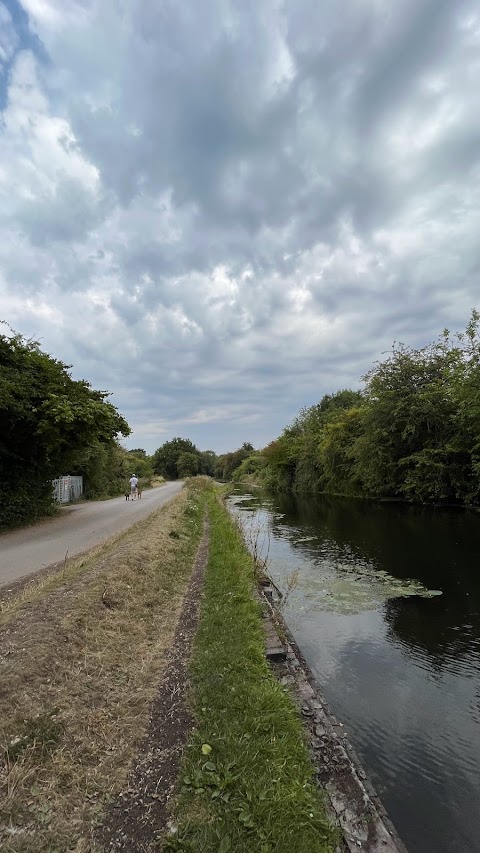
(101, 665)
(398, 663)
(99, 695)
(352, 802)
(267, 767)
(247, 783)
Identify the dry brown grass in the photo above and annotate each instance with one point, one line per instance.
(81, 655)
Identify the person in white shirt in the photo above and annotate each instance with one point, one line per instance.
(133, 486)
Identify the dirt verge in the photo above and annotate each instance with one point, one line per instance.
(81, 655)
(138, 819)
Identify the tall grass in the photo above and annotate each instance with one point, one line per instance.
(247, 782)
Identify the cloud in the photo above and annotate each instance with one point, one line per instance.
(221, 211)
(8, 37)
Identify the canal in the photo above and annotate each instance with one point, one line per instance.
(384, 602)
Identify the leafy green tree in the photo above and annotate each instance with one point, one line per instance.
(165, 459)
(107, 468)
(227, 463)
(337, 452)
(295, 460)
(102, 465)
(48, 421)
(412, 433)
(140, 464)
(281, 457)
(188, 464)
(208, 460)
(421, 427)
(251, 469)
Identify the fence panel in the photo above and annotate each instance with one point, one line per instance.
(66, 489)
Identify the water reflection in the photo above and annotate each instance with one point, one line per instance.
(402, 673)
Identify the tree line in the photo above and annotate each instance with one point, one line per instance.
(412, 432)
(50, 425)
(180, 458)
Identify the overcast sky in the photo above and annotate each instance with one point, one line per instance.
(220, 210)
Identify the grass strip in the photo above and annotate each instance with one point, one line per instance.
(81, 657)
(246, 784)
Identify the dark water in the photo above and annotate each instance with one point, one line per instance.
(402, 673)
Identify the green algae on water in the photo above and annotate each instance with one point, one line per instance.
(345, 591)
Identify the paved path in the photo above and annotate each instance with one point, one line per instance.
(76, 529)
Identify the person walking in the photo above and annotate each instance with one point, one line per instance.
(133, 486)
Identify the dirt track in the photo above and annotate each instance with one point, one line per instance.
(76, 529)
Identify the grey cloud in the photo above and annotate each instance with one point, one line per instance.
(67, 216)
(8, 38)
(282, 191)
(418, 39)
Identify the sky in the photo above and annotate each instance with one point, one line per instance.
(219, 211)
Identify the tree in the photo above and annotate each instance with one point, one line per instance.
(208, 461)
(295, 460)
(419, 439)
(139, 463)
(412, 433)
(103, 467)
(48, 421)
(188, 464)
(165, 459)
(227, 463)
(337, 451)
(251, 469)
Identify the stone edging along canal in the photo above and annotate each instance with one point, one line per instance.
(353, 803)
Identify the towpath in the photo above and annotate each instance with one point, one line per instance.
(75, 529)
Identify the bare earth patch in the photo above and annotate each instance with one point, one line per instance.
(137, 820)
(82, 652)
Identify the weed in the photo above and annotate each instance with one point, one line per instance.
(291, 584)
(40, 734)
(247, 782)
(258, 540)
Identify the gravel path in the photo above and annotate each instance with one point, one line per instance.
(76, 529)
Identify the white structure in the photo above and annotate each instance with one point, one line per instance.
(67, 489)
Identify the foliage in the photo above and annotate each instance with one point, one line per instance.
(227, 463)
(188, 464)
(175, 459)
(413, 432)
(106, 469)
(166, 457)
(250, 470)
(137, 463)
(337, 451)
(247, 781)
(101, 466)
(422, 431)
(48, 422)
(208, 460)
